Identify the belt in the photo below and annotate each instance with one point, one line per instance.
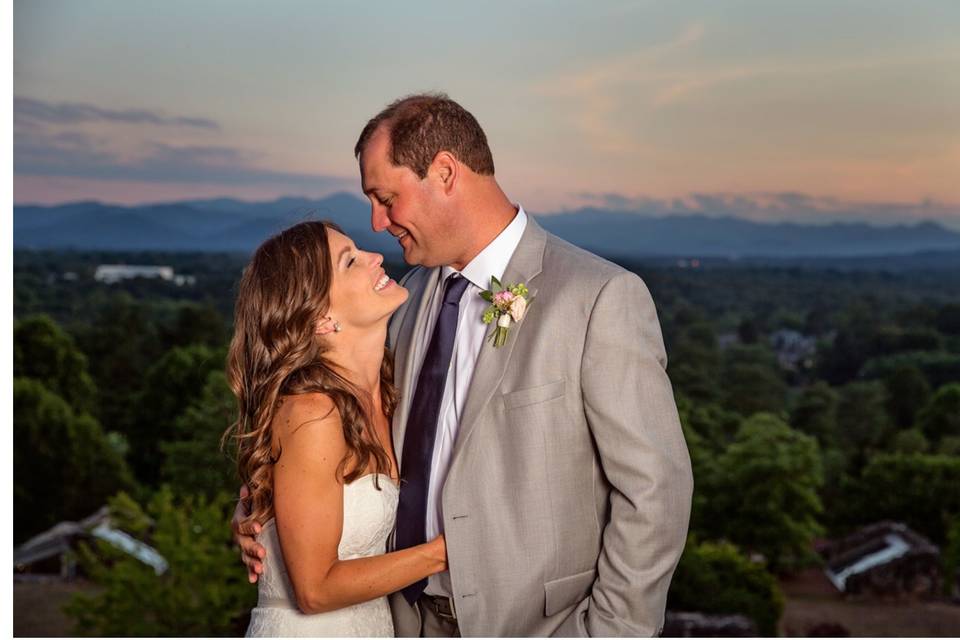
(441, 606)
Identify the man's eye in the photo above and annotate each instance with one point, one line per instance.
(385, 201)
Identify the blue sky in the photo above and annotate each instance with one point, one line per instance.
(796, 110)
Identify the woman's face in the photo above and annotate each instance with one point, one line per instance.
(361, 294)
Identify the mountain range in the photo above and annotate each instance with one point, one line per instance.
(232, 225)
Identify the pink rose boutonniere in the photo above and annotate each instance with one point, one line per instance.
(508, 304)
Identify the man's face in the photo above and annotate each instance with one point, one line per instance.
(403, 204)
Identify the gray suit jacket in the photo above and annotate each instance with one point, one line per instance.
(568, 498)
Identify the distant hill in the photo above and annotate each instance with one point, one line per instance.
(225, 224)
(630, 234)
(194, 225)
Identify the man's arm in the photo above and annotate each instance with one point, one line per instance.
(244, 534)
(632, 414)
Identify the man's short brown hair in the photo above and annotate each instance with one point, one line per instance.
(423, 125)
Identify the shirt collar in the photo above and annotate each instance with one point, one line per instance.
(493, 260)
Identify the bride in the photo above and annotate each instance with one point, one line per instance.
(313, 384)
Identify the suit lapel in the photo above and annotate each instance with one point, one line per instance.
(405, 354)
(525, 264)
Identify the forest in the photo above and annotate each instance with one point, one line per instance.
(815, 399)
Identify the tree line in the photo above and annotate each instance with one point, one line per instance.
(120, 397)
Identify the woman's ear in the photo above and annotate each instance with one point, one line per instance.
(326, 325)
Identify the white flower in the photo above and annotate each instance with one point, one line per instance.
(504, 321)
(518, 307)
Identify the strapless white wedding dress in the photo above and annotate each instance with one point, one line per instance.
(368, 518)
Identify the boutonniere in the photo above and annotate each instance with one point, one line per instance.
(507, 305)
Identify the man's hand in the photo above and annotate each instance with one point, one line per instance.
(251, 552)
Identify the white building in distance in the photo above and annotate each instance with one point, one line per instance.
(114, 273)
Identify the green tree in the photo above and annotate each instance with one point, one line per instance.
(748, 331)
(853, 344)
(172, 384)
(948, 319)
(863, 425)
(197, 324)
(938, 367)
(919, 490)
(716, 424)
(703, 460)
(44, 352)
(950, 446)
(767, 498)
(63, 464)
(815, 412)
(752, 382)
(940, 417)
(201, 594)
(910, 441)
(686, 314)
(835, 478)
(194, 462)
(894, 339)
(120, 344)
(695, 362)
(907, 391)
(716, 578)
(816, 322)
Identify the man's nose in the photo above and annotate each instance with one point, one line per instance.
(378, 218)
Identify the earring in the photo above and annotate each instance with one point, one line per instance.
(327, 325)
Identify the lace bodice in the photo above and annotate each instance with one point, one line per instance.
(368, 519)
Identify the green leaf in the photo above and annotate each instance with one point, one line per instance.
(487, 295)
(495, 284)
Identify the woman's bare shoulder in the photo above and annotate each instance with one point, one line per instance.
(308, 418)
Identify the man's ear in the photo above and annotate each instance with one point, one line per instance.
(445, 169)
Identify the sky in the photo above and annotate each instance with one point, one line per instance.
(801, 110)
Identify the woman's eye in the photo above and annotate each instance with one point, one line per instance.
(350, 263)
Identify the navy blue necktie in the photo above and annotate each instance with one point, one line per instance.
(421, 431)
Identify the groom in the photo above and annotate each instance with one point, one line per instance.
(554, 464)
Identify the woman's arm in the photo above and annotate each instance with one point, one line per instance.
(308, 505)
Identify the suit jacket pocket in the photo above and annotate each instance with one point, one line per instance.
(566, 592)
(534, 395)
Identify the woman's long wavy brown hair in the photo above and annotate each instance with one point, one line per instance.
(275, 352)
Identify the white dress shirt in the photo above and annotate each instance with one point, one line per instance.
(471, 333)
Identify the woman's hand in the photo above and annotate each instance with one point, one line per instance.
(436, 549)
